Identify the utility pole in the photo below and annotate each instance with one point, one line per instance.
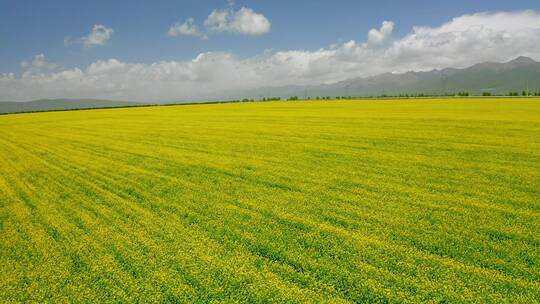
(527, 86)
(444, 81)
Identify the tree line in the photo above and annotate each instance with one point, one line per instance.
(406, 95)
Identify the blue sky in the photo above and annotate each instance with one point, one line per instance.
(33, 35)
(140, 27)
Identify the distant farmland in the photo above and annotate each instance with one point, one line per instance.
(343, 201)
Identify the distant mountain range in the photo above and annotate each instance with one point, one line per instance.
(492, 77)
(517, 75)
(61, 104)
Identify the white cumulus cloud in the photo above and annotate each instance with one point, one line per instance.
(243, 21)
(188, 28)
(37, 64)
(99, 36)
(460, 42)
(380, 36)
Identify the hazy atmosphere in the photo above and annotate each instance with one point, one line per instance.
(208, 49)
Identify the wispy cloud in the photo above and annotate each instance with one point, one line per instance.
(188, 28)
(37, 64)
(99, 35)
(243, 21)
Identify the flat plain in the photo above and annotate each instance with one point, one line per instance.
(432, 200)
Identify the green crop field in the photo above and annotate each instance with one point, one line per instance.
(434, 200)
